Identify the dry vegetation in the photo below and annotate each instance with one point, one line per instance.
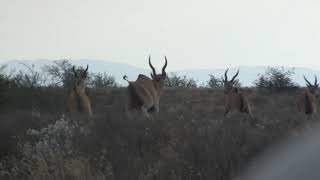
(189, 139)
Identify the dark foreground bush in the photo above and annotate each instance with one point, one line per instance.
(189, 139)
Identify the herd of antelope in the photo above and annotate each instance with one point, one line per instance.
(144, 94)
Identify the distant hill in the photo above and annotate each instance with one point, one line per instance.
(115, 69)
(247, 74)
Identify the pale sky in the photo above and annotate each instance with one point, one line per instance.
(192, 33)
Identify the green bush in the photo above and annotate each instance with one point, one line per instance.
(102, 80)
(175, 81)
(275, 78)
(214, 82)
(60, 73)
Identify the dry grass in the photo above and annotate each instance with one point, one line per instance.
(189, 139)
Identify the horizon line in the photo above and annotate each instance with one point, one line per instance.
(174, 69)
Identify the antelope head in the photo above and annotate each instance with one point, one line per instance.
(229, 85)
(79, 83)
(312, 87)
(158, 79)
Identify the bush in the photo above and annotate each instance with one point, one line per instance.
(175, 81)
(3, 83)
(100, 80)
(52, 154)
(60, 73)
(29, 79)
(214, 82)
(275, 78)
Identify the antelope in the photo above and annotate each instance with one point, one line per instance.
(78, 101)
(234, 100)
(144, 93)
(307, 99)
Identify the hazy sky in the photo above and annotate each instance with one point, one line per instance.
(193, 34)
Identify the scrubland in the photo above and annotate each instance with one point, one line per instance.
(189, 139)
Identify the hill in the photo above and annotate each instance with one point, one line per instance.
(247, 74)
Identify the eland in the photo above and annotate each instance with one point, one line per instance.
(234, 100)
(79, 101)
(144, 93)
(307, 99)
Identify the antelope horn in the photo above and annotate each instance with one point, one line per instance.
(307, 81)
(225, 75)
(315, 80)
(75, 72)
(153, 70)
(235, 76)
(165, 66)
(85, 71)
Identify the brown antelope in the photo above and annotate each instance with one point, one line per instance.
(144, 93)
(307, 99)
(78, 101)
(234, 100)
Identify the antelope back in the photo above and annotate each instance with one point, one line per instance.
(308, 105)
(310, 94)
(308, 100)
(135, 101)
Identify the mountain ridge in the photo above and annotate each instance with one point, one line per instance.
(248, 74)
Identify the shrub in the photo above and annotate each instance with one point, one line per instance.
(60, 73)
(3, 83)
(214, 82)
(99, 80)
(275, 78)
(52, 154)
(27, 79)
(175, 81)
